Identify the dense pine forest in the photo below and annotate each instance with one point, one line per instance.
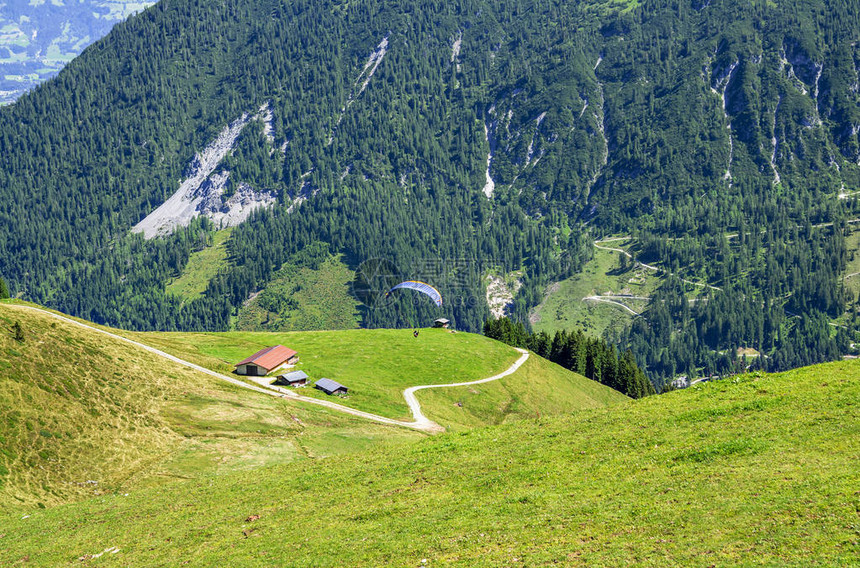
(721, 135)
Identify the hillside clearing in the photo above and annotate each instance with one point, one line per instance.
(202, 266)
(303, 297)
(563, 306)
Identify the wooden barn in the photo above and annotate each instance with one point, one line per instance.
(266, 360)
(442, 322)
(294, 379)
(329, 386)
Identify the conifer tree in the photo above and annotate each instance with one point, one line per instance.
(17, 332)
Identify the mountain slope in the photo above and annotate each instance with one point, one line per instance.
(83, 413)
(759, 470)
(453, 140)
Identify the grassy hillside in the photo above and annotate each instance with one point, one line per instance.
(378, 364)
(83, 414)
(308, 296)
(760, 470)
(563, 306)
(538, 388)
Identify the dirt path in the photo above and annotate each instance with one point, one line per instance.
(648, 266)
(424, 423)
(420, 421)
(611, 300)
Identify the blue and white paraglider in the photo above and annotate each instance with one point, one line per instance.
(422, 287)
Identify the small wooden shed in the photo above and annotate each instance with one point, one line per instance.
(294, 379)
(329, 386)
(442, 322)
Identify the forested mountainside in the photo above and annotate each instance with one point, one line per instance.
(37, 37)
(453, 139)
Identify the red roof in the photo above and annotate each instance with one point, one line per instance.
(270, 357)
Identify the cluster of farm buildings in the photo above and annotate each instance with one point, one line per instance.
(270, 359)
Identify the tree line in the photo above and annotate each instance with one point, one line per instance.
(575, 351)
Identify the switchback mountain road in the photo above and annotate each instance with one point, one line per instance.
(420, 422)
(614, 300)
(597, 244)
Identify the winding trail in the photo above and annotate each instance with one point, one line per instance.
(420, 422)
(610, 300)
(617, 299)
(648, 266)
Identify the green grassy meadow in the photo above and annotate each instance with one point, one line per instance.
(563, 307)
(377, 365)
(760, 470)
(82, 414)
(538, 388)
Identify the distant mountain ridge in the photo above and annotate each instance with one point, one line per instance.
(38, 37)
(453, 139)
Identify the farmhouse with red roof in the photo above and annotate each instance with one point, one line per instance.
(266, 360)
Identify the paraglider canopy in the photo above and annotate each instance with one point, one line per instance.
(422, 287)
